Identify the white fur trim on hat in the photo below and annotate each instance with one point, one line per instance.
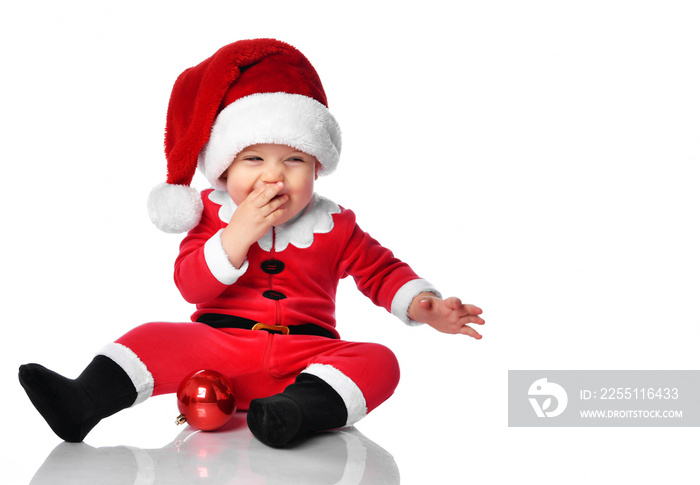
(175, 208)
(280, 118)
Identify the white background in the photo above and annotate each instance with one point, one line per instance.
(537, 158)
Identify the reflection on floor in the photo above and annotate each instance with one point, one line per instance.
(226, 456)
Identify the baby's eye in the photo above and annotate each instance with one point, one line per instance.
(296, 159)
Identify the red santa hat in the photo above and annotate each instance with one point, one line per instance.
(248, 92)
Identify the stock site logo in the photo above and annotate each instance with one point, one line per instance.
(544, 391)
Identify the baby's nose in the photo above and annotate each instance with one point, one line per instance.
(272, 174)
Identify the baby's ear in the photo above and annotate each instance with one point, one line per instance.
(318, 167)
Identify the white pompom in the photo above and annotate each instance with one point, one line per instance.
(175, 208)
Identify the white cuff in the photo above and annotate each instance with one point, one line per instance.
(218, 262)
(403, 298)
(351, 394)
(133, 366)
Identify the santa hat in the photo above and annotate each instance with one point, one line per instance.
(248, 92)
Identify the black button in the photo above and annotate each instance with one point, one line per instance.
(272, 266)
(274, 295)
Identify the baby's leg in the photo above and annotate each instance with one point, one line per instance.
(338, 386)
(150, 359)
(72, 407)
(364, 375)
(158, 356)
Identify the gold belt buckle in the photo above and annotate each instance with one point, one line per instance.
(272, 328)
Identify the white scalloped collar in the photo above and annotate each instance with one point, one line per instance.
(316, 218)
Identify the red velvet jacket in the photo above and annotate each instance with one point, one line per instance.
(291, 275)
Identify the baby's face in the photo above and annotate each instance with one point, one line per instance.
(262, 164)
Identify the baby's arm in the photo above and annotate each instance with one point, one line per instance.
(447, 316)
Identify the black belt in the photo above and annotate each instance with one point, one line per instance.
(218, 320)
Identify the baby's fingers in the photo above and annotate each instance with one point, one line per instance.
(265, 194)
(453, 303)
(472, 309)
(472, 319)
(467, 330)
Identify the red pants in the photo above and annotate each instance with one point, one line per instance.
(158, 356)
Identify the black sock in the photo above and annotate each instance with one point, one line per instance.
(72, 407)
(305, 407)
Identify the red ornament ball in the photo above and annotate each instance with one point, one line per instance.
(205, 400)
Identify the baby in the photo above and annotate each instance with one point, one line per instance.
(262, 260)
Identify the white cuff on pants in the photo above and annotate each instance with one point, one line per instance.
(351, 394)
(131, 364)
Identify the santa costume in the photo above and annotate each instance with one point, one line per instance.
(269, 326)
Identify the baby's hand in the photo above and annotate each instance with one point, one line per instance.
(261, 210)
(447, 316)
